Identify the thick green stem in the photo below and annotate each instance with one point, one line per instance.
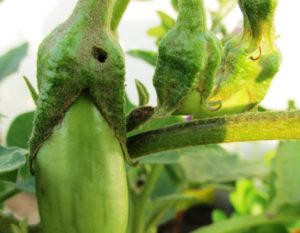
(235, 128)
(143, 198)
(192, 15)
(247, 222)
(119, 9)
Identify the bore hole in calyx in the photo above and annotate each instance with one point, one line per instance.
(99, 54)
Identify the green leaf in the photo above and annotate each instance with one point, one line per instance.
(15, 229)
(276, 228)
(292, 105)
(219, 216)
(10, 62)
(27, 185)
(33, 92)
(164, 208)
(167, 157)
(9, 189)
(148, 56)
(167, 184)
(18, 135)
(249, 198)
(7, 220)
(250, 224)
(20, 130)
(11, 160)
(286, 176)
(166, 21)
(21, 227)
(158, 32)
(211, 163)
(175, 4)
(129, 106)
(208, 164)
(142, 93)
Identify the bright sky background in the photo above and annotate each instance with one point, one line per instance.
(31, 20)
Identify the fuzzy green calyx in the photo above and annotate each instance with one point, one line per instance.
(250, 60)
(188, 58)
(80, 55)
(191, 16)
(258, 21)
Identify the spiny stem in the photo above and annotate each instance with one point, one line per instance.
(234, 128)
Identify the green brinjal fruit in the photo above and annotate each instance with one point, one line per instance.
(80, 175)
(78, 140)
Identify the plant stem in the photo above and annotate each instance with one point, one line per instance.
(247, 222)
(234, 128)
(118, 11)
(143, 198)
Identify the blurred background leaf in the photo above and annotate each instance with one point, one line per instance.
(129, 106)
(213, 164)
(148, 56)
(10, 61)
(11, 160)
(285, 177)
(143, 93)
(166, 23)
(20, 130)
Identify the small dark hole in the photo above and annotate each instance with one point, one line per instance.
(140, 183)
(99, 54)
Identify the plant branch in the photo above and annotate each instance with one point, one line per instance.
(144, 197)
(118, 11)
(234, 128)
(247, 222)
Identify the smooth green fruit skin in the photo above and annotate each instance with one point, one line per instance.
(80, 175)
